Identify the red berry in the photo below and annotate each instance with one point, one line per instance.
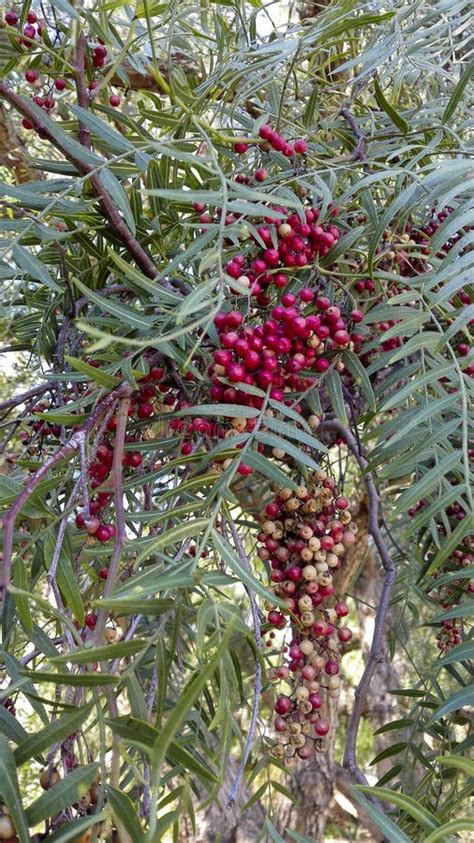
(244, 469)
(103, 573)
(260, 174)
(321, 364)
(341, 502)
(241, 147)
(186, 449)
(26, 123)
(357, 315)
(283, 705)
(301, 146)
(11, 18)
(31, 75)
(275, 619)
(341, 337)
(265, 132)
(29, 31)
(60, 84)
(322, 727)
(145, 410)
(90, 620)
(114, 100)
(31, 17)
(235, 372)
(100, 51)
(103, 534)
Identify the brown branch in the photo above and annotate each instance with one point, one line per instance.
(71, 447)
(358, 153)
(24, 396)
(117, 224)
(82, 95)
(375, 653)
(121, 534)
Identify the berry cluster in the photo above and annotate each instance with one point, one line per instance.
(44, 91)
(304, 538)
(275, 353)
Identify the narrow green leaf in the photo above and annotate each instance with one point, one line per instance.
(62, 795)
(458, 93)
(123, 649)
(419, 813)
(333, 384)
(228, 554)
(466, 765)
(391, 831)
(20, 580)
(463, 697)
(127, 316)
(449, 829)
(10, 790)
(30, 264)
(75, 829)
(395, 117)
(359, 373)
(77, 680)
(462, 652)
(124, 810)
(451, 543)
(54, 732)
(185, 702)
(289, 448)
(269, 469)
(93, 373)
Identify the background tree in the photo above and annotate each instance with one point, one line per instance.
(236, 257)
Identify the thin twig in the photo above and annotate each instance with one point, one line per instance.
(358, 153)
(121, 534)
(82, 94)
(63, 453)
(257, 687)
(375, 652)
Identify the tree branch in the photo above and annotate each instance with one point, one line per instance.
(82, 95)
(358, 153)
(117, 225)
(121, 534)
(63, 453)
(375, 653)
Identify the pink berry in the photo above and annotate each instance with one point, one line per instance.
(31, 76)
(283, 705)
(114, 100)
(11, 18)
(322, 728)
(301, 146)
(31, 17)
(240, 147)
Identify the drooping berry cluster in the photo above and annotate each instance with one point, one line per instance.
(304, 538)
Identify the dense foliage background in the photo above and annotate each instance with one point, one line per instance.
(236, 263)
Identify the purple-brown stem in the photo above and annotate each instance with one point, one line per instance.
(375, 653)
(81, 89)
(121, 534)
(63, 453)
(358, 153)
